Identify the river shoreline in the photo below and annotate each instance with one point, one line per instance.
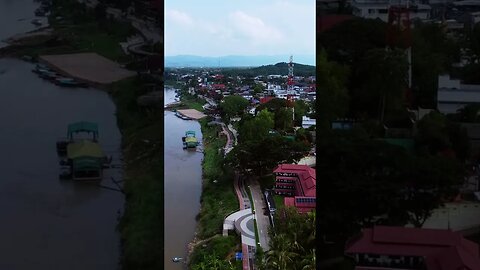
(217, 195)
(141, 226)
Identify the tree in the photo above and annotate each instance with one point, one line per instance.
(384, 74)
(429, 181)
(100, 11)
(274, 104)
(469, 114)
(301, 109)
(333, 97)
(284, 119)
(258, 127)
(212, 261)
(234, 105)
(347, 42)
(436, 133)
(280, 256)
(260, 156)
(258, 88)
(292, 244)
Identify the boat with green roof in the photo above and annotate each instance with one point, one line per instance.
(82, 156)
(189, 141)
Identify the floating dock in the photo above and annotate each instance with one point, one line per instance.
(192, 113)
(87, 67)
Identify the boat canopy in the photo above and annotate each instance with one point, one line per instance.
(190, 132)
(82, 126)
(86, 164)
(84, 148)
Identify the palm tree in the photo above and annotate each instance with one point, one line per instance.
(281, 255)
(309, 261)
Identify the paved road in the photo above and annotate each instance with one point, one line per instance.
(263, 222)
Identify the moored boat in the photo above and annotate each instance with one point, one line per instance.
(190, 141)
(69, 82)
(84, 159)
(178, 114)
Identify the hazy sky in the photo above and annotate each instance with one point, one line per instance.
(242, 27)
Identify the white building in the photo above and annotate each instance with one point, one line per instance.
(308, 122)
(452, 95)
(372, 9)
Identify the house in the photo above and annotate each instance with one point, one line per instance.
(308, 122)
(385, 247)
(373, 9)
(298, 184)
(452, 95)
(345, 124)
(265, 99)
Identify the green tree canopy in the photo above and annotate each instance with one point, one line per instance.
(233, 105)
(384, 83)
(333, 97)
(258, 127)
(284, 119)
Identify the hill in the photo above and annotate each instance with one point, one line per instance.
(277, 69)
(232, 60)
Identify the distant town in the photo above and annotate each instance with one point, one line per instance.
(268, 158)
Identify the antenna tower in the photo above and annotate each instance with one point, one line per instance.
(290, 82)
(399, 35)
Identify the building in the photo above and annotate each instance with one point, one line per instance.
(308, 122)
(298, 184)
(372, 9)
(452, 95)
(383, 247)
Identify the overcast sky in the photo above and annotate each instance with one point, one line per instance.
(242, 27)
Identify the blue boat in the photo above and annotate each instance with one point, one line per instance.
(62, 81)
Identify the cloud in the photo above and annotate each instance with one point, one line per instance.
(254, 28)
(179, 17)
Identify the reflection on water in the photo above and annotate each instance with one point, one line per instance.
(183, 183)
(49, 223)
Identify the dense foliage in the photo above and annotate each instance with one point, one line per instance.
(292, 242)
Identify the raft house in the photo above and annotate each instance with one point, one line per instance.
(189, 141)
(84, 157)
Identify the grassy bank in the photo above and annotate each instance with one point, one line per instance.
(141, 226)
(218, 199)
(81, 30)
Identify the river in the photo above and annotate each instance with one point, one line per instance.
(49, 223)
(183, 186)
(16, 17)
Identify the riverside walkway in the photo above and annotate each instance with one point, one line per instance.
(243, 220)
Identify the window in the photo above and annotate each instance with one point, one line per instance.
(371, 11)
(383, 11)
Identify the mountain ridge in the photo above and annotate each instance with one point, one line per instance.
(233, 60)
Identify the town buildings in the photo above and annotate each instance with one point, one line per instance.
(298, 184)
(372, 9)
(452, 95)
(383, 247)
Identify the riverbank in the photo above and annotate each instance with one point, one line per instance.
(141, 226)
(76, 29)
(217, 201)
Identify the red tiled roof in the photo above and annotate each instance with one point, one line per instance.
(443, 249)
(306, 175)
(325, 22)
(218, 86)
(265, 99)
